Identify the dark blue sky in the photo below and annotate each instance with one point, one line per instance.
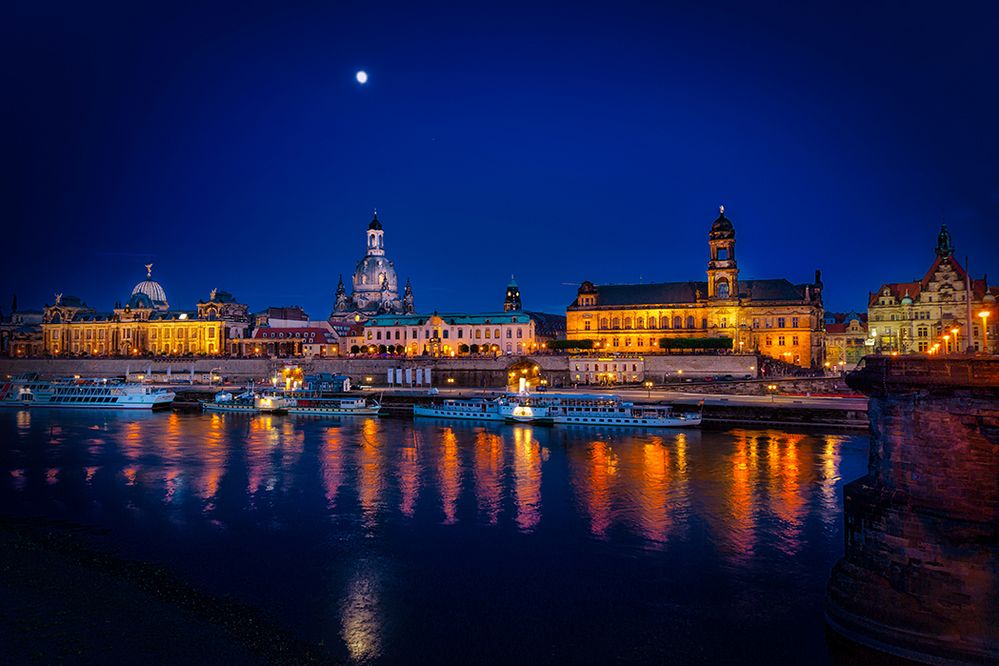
(232, 147)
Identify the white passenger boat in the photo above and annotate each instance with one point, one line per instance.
(475, 409)
(595, 409)
(568, 408)
(315, 403)
(32, 392)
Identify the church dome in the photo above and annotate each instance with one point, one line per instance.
(151, 289)
(722, 227)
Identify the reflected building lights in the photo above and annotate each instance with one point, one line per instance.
(409, 473)
(369, 470)
(450, 475)
(489, 474)
(527, 475)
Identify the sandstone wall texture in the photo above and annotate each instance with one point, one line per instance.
(920, 572)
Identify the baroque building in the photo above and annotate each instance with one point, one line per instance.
(774, 317)
(375, 285)
(846, 339)
(513, 331)
(145, 325)
(941, 309)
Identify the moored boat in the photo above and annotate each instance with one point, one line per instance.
(308, 403)
(31, 392)
(594, 409)
(475, 409)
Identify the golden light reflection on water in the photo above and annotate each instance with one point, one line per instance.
(450, 475)
(527, 458)
(594, 473)
(332, 464)
(409, 473)
(652, 494)
(23, 420)
(489, 474)
(212, 458)
(830, 464)
(751, 487)
(369, 479)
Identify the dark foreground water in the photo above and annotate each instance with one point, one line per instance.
(429, 542)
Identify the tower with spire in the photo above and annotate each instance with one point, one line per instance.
(512, 301)
(723, 271)
(374, 286)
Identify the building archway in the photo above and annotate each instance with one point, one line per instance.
(525, 369)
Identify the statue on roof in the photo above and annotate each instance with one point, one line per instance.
(945, 247)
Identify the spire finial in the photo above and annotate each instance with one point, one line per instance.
(376, 213)
(721, 209)
(149, 270)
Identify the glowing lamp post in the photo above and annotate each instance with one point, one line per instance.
(648, 387)
(946, 344)
(984, 314)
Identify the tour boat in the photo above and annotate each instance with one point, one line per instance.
(568, 408)
(316, 403)
(248, 402)
(30, 391)
(475, 409)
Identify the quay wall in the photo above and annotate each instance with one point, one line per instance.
(920, 572)
(479, 372)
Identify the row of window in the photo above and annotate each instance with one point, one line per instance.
(615, 323)
(445, 334)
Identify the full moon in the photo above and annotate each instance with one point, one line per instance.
(361, 76)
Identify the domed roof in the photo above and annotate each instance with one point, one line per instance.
(370, 271)
(722, 227)
(375, 224)
(151, 289)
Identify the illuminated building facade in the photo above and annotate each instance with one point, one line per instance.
(145, 325)
(375, 286)
(846, 338)
(935, 313)
(512, 331)
(774, 317)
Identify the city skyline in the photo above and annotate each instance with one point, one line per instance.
(559, 148)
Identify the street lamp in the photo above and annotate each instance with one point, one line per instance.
(984, 314)
(946, 345)
(954, 331)
(648, 386)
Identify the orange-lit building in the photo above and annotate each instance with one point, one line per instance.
(775, 317)
(145, 325)
(936, 313)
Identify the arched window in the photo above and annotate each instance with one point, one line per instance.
(721, 288)
(616, 323)
(678, 323)
(722, 254)
(652, 322)
(704, 323)
(690, 321)
(627, 322)
(640, 322)
(603, 322)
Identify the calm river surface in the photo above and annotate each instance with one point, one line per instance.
(429, 541)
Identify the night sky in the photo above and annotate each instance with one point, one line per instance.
(233, 148)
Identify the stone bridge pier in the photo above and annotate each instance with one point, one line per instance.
(920, 573)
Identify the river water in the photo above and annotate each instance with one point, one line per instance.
(389, 540)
